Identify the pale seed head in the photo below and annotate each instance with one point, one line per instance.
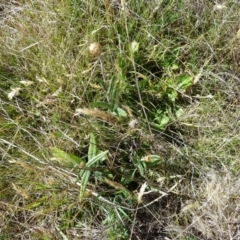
(95, 49)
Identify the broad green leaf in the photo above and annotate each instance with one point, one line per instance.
(75, 158)
(140, 169)
(92, 150)
(151, 160)
(85, 174)
(97, 158)
(102, 105)
(121, 112)
(84, 182)
(93, 158)
(111, 88)
(163, 121)
(185, 82)
(114, 95)
(65, 157)
(103, 84)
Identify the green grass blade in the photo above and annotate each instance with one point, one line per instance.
(97, 158)
(92, 151)
(85, 174)
(85, 178)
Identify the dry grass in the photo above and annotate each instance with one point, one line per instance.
(215, 215)
(171, 68)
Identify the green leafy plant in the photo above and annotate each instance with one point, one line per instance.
(173, 88)
(64, 157)
(145, 163)
(94, 158)
(177, 85)
(113, 93)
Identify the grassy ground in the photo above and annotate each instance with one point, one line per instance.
(119, 119)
